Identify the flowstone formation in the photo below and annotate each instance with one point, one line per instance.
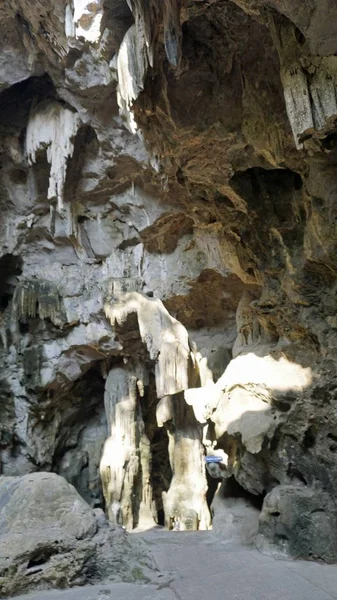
(168, 267)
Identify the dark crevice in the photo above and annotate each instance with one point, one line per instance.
(41, 558)
(281, 405)
(117, 18)
(294, 474)
(81, 435)
(161, 472)
(309, 438)
(282, 536)
(10, 269)
(17, 101)
(86, 144)
(212, 486)
(234, 490)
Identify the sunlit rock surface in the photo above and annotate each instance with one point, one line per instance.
(168, 267)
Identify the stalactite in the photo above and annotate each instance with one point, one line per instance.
(36, 298)
(52, 127)
(165, 338)
(145, 14)
(323, 94)
(172, 31)
(132, 66)
(297, 99)
(309, 106)
(136, 52)
(309, 83)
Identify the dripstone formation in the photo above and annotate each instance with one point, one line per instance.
(168, 265)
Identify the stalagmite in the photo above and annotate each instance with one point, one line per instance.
(172, 31)
(167, 343)
(52, 127)
(165, 338)
(185, 503)
(126, 461)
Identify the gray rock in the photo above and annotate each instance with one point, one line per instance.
(298, 521)
(50, 538)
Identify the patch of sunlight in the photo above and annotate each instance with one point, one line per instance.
(277, 374)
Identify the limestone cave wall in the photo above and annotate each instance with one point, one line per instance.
(168, 270)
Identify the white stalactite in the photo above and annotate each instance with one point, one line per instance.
(310, 105)
(52, 127)
(296, 95)
(323, 93)
(69, 24)
(132, 64)
(165, 338)
(141, 11)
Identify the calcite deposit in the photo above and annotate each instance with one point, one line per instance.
(168, 270)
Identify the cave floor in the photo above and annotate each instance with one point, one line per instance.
(199, 566)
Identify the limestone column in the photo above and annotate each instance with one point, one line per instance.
(185, 503)
(126, 461)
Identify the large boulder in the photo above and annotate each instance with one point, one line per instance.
(298, 521)
(50, 537)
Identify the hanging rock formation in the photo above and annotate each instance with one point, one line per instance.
(52, 127)
(168, 267)
(165, 338)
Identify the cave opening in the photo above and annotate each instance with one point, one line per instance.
(233, 489)
(84, 430)
(10, 269)
(17, 101)
(236, 511)
(81, 436)
(268, 188)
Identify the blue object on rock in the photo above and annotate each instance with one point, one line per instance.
(213, 459)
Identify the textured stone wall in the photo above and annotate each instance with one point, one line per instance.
(168, 247)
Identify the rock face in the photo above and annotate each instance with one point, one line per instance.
(168, 267)
(50, 537)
